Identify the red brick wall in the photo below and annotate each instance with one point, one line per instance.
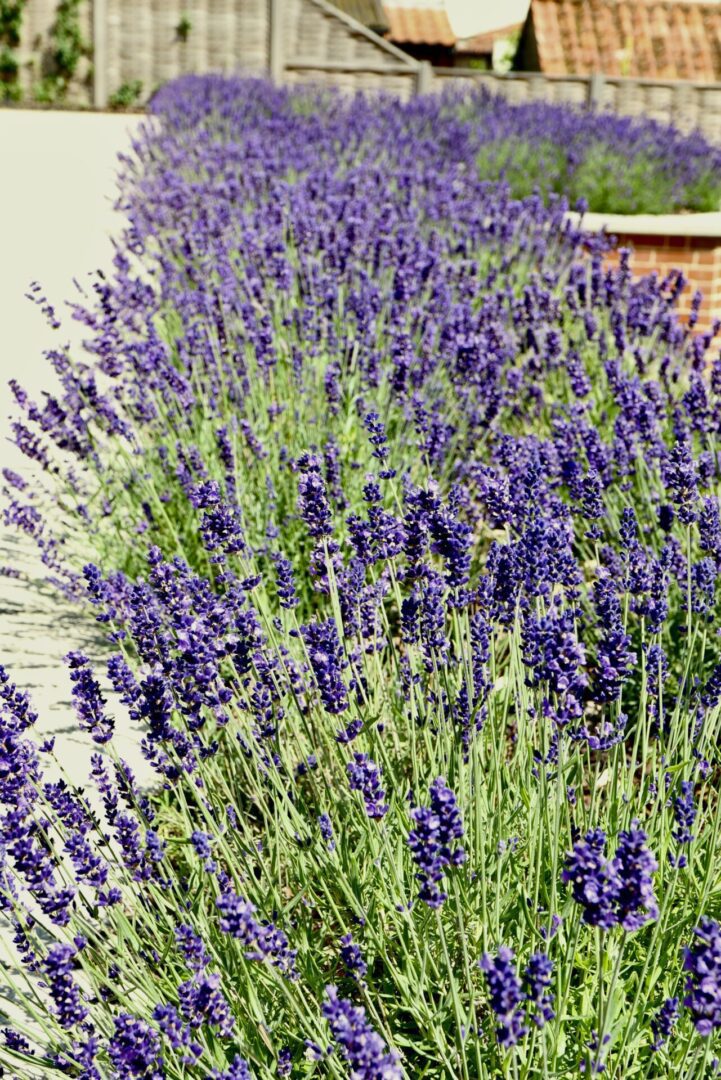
(699, 257)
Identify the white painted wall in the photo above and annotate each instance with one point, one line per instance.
(57, 174)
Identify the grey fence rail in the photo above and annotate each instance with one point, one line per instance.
(132, 42)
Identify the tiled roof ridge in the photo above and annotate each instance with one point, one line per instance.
(639, 38)
(419, 25)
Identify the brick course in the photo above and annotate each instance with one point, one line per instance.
(699, 257)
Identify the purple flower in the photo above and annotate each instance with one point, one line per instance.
(614, 656)
(260, 940)
(536, 984)
(191, 948)
(237, 1070)
(506, 995)
(377, 435)
(613, 891)
(326, 830)
(363, 1049)
(702, 961)
(684, 812)
(365, 776)
(592, 497)
(594, 880)
(202, 844)
(285, 582)
(682, 482)
(88, 699)
(352, 958)
(14, 479)
(221, 530)
(15, 1041)
(205, 494)
(552, 649)
(664, 1022)
(65, 992)
(203, 1002)
(313, 505)
(327, 661)
(432, 841)
(178, 1034)
(451, 539)
(635, 866)
(134, 1050)
(709, 527)
(433, 620)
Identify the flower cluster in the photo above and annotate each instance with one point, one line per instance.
(363, 1049)
(613, 891)
(506, 994)
(702, 961)
(432, 840)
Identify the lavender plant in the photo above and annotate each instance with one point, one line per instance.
(615, 164)
(417, 630)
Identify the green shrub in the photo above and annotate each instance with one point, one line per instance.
(127, 95)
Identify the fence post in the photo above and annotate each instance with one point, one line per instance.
(595, 89)
(100, 54)
(276, 65)
(424, 78)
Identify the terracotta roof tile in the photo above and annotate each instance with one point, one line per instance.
(419, 26)
(641, 38)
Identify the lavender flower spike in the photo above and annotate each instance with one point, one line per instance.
(360, 1045)
(506, 995)
(432, 841)
(88, 699)
(702, 961)
(365, 776)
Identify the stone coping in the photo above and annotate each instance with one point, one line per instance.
(701, 225)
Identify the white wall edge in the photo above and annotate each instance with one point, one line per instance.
(700, 225)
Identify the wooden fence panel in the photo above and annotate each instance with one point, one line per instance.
(314, 43)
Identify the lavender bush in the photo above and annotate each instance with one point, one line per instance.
(614, 164)
(416, 624)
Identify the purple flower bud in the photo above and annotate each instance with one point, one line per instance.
(365, 776)
(506, 996)
(65, 992)
(88, 699)
(702, 961)
(363, 1049)
(664, 1022)
(537, 982)
(327, 661)
(313, 505)
(432, 841)
(134, 1050)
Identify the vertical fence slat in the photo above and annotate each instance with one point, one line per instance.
(275, 65)
(424, 78)
(100, 54)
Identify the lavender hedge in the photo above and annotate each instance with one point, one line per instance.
(613, 164)
(400, 512)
